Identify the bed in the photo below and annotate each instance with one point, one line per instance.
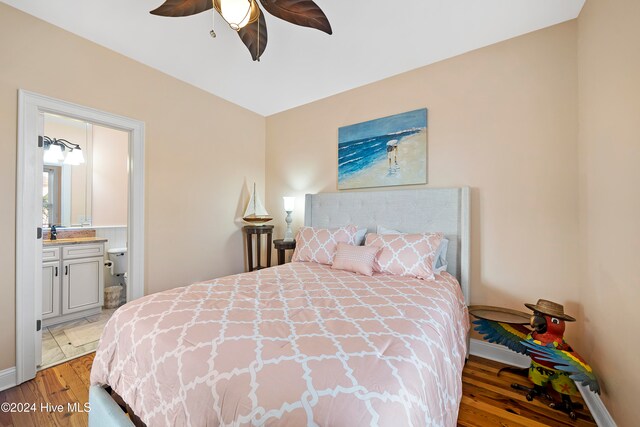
(301, 343)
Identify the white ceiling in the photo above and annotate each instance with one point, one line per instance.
(372, 40)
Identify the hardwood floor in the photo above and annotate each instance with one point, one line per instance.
(67, 383)
(488, 400)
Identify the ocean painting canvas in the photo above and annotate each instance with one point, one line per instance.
(384, 152)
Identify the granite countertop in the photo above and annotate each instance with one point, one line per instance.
(73, 241)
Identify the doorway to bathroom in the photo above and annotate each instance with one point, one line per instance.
(79, 242)
(84, 220)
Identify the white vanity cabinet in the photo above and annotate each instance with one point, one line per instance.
(73, 282)
(50, 289)
(82, 284)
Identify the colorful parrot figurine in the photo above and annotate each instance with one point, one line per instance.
(552, 359)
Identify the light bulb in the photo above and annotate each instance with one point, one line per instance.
(69, 159)
(53, 154)
(79, 156)
(236, 12)
(289, 203)
(74, 157)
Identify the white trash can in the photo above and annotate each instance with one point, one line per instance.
(112, 296)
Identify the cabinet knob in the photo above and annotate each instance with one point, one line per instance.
(56, 272)
(66, 270)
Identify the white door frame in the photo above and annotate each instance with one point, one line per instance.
(29, 214)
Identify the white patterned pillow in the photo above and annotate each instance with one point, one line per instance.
(357, 259)
(406, 254)
(319, 244)
(440, 262)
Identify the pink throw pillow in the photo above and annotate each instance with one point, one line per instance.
(319, 244)
(405, 254)
(357, 259)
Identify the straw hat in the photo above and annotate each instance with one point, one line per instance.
(551, 308)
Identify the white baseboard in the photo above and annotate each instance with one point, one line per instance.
(502, 354)
(498, 353)
(598, 411)
(7, 378)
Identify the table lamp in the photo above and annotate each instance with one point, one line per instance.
(289, 204)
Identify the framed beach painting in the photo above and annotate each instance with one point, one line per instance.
(384, 152)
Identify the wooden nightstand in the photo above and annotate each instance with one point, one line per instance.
(258, 231)
(281, 246)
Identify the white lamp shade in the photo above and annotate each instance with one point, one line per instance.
(74, 157)
(236, 12)
(289, 203)
(79, 155)
(69, 160)
(53, 154)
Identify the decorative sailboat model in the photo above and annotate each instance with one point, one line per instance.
(256, 213)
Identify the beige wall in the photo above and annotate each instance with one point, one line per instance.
(609, 144)
(502, 120)
(199, 152)
(110, 177)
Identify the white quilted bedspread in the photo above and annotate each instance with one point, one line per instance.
(294, 345)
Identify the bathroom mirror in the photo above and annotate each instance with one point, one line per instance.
(85, 174)
(66, 175)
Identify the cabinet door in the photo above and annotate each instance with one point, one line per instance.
(82, 284)
(50, 289)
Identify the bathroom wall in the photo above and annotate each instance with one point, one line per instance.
(110, 176)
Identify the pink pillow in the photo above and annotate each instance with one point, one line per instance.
(405, 254)
(319, 244)
(357, 259)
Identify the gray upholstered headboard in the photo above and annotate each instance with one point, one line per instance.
(416, 211)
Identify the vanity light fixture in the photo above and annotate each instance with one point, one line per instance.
(54, 151)
(289, 205)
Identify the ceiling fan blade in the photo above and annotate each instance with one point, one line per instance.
(255, 33)
(300, 12)
(176, 8)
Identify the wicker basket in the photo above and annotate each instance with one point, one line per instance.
(112, 296)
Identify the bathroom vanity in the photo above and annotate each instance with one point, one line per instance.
(72, 278)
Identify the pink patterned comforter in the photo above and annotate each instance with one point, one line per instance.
(299, 344)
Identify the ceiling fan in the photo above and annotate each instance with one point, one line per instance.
(246, 17)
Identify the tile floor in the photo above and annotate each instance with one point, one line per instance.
(56, 346)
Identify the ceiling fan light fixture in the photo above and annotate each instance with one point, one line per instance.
(237, 13)
(246, 17)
